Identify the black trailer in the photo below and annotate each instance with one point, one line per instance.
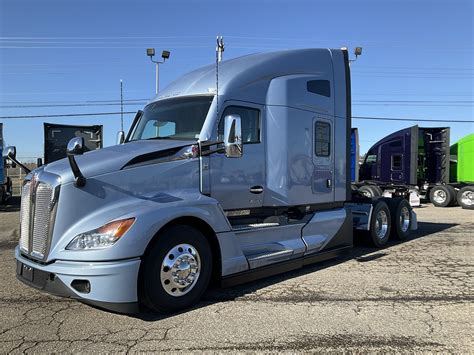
(57, 136)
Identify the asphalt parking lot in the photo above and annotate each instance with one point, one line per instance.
(411, 296)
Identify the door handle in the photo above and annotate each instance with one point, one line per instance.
(256, 189)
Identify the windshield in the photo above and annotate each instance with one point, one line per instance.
(180, 118)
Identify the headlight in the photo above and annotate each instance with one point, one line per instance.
(102, 237)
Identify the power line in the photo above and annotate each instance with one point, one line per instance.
(105, 37)
(66, 115)
(410, 119)
(130, 112)
(74, 105)
(143, 101)
(418, 101)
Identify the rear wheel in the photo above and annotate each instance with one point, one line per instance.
(380, 224)
(466, 197)
(400, 210)
(176, 271)
(442, 195)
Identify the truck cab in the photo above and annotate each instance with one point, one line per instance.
(230, 185)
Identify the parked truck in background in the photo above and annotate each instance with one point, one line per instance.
(461, 186)
(57, 136)
(376, 188)
(5, 181)
(420, 157)
(234, 185)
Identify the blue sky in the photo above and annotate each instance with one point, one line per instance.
(417, 57)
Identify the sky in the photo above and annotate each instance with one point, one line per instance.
(417, 59)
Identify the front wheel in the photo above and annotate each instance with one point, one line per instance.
(466, 197)
(176, 270)
(442, 195)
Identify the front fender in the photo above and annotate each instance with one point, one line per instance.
(150, 216)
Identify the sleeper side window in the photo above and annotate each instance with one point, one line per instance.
(320, 87)
(322, 139)
(250, 120)
(397, 162)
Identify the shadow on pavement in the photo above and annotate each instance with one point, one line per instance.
(362, 252)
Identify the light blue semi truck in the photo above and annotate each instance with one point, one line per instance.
(227, 186)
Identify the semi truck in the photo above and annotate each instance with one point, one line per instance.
(226, 184)
(461, 176)
(375, 188)
(5, 181)
(421, 158)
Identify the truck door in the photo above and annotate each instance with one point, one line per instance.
(392, 161)
(238, 183)
(323, 160)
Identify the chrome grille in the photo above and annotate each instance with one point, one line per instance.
(37, 208)
(40, 232)
(25, 217)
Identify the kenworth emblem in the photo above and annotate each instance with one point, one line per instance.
(33, 182)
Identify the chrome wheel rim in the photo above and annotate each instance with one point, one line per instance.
(404, 219)
(439, 196)
(467, 198)
(381, 224)
(180, 270)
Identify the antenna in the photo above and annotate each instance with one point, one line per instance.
(121, 105)
(219, 51)
(220, 48)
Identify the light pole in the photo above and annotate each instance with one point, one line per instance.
(165, 55)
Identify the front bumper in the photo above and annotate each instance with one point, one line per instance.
(110, 285)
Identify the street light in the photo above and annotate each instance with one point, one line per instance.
(165, 55)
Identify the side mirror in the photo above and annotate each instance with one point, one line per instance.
(39, 162)
(233, 136)
(75, 146)
(11, 155)
(11, 152)
(120, 137)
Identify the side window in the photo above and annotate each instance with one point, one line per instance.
(397, 162)
(320, 87)
(250, 119)
(371, 159)
(322, 139)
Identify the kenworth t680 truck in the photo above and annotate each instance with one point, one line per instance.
(246, 182)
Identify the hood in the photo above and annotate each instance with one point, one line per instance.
(113, 158)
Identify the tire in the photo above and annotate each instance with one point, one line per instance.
(378, 189)
(400, 211)
(380, 224)
(466, 197)
(442, 195)
(370, 191)
(177, 245)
